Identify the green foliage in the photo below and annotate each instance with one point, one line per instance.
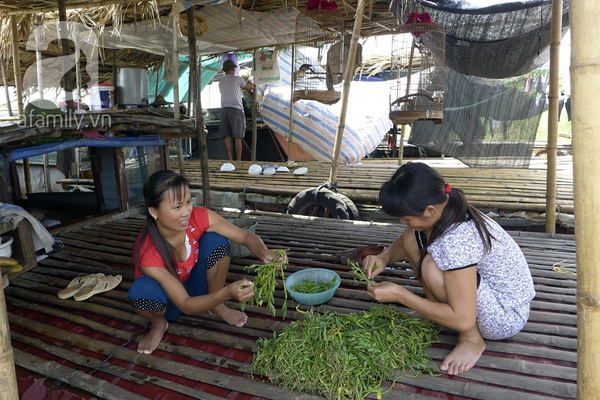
(359, 273)
(308, 286)
(346, 356)
(265, 283)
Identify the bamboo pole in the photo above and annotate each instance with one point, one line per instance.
(5, 82)
(38, 60)
(585, 86)
(17, 64)
(291, 124)
(408, 79)
(8, 375)
(348, 72)
(196, 84)
(553, 116)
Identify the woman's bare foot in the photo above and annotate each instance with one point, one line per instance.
(152, 339)
(229, 315)
(464, 356)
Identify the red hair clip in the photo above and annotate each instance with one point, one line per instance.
(447, 188)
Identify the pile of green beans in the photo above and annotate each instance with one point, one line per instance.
(265, 283)
(346, 356)
(308, 286)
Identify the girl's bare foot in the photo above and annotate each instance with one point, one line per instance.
(463, 357)
(152, 339)
(229, 315)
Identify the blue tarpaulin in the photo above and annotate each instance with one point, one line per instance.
(27, 152)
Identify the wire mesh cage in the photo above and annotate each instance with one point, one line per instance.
(317, 31)
(418, 65)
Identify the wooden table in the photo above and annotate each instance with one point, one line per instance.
(23, 249)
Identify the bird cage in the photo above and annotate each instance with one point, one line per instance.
(418, 64)
(316, 30)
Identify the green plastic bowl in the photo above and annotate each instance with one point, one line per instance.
(315, 275)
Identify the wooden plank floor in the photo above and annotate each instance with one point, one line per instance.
(504, 190)
(91, 344)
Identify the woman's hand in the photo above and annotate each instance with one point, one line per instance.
(242, 290)
(270, 256)
(385, 292)
(374, 265)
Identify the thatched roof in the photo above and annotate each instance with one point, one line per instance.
(113, 15)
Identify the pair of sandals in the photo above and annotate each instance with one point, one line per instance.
(84, 287)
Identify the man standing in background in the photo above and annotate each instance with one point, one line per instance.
(233, 119)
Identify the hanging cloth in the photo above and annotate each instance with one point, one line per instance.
(266, 66)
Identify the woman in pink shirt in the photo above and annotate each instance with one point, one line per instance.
(181, 260)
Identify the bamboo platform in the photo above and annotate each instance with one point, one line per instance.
(497, 190)
(87, 348)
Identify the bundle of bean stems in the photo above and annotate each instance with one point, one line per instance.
(265, 283)
(346, 356)
(359, 273)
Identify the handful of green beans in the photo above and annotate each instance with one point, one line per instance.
(359, 273)
(346, 356)
(265, 283)
(308, 286)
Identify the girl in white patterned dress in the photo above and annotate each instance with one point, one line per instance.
(475, 277)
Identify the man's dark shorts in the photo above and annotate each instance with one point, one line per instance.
(233, 122)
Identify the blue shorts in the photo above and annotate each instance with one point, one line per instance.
(146, 293)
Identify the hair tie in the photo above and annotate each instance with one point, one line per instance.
(447, 188)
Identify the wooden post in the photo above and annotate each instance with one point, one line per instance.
(401, 145)
(254, 115)
(65, 50)
(585, 86)
(348, 73)
(553, 116)
(196, 84)
(47, 181)
(8, 375)
(17, 64)
(175, 17)
(27, 176)
(115, 75)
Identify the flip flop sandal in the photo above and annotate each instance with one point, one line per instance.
(104, 284)
(359, 253)
(13, 269)
(77, 284)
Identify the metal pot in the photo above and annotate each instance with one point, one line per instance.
(132, 86)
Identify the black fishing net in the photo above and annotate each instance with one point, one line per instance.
(496, 83)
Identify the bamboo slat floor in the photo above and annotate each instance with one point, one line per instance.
(87, 350)
(490, 189)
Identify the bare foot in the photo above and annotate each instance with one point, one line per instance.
(152, 339)
(229, 315)
(463, 357)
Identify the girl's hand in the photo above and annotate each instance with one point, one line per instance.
(385, 292)
(242, 290)
(374, 265)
